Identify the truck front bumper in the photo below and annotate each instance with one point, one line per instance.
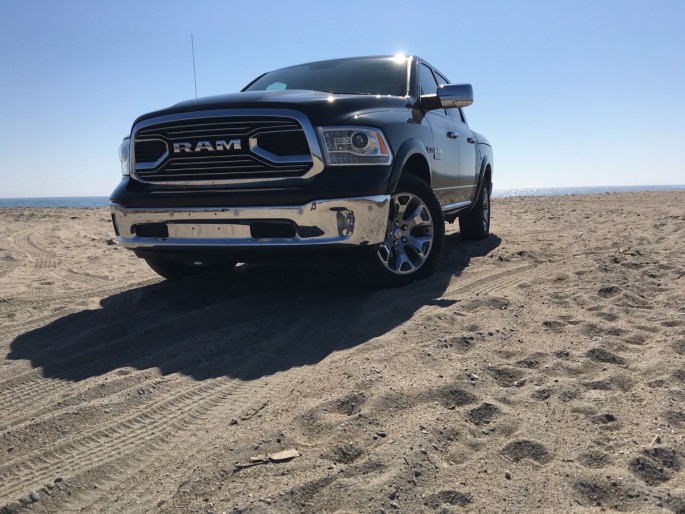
(347, 221)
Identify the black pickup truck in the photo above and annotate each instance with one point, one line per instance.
(371, 154)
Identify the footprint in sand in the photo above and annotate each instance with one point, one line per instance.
(525, 449)
(604, 356)
(484, 414)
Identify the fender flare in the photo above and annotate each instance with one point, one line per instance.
(481, 177)
(408, 149)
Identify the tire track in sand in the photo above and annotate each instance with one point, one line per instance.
(124, 298)
(7, 267)
(38, 392)
(142, 494)
(47, 260)
(33, 388)
(150, 430)
(95, 446)
(39, 257)
(501, 281)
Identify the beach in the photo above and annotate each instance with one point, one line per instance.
(539, 370)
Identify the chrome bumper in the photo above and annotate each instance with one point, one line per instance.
(346, 221)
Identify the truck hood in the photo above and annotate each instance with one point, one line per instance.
(321, 108)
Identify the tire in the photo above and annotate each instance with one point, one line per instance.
(415, 236)
(176, 270)
(475, 224)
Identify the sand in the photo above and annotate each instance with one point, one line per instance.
(540, 370)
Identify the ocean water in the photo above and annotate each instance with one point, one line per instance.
(563, 191)
(103, 201)
(65, 201)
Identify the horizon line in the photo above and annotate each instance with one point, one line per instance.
(494, 189)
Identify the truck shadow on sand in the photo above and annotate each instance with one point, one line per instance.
(248, 324)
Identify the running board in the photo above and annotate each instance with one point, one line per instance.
(455, 206)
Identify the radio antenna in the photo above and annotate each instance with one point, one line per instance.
(192, 46)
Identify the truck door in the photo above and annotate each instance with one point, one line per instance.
(445, 154)
(468, 173)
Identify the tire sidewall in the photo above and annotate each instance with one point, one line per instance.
(471, 223)
(486, 193)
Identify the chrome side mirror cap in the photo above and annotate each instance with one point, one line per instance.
(448, 96)
(455, 95)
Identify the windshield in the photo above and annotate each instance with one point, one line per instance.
(369, 76)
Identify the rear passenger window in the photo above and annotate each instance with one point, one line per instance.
(441, 80)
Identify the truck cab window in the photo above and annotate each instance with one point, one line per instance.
(427, 81)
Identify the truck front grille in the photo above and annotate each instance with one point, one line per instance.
(283, 143)
(222, 149)
(150, 151)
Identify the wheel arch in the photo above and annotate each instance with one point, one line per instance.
(484, 176)
(410, 158)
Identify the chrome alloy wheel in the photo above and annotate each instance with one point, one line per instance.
(409, 237)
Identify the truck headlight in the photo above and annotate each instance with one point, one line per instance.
(354, 145)
(125, 156)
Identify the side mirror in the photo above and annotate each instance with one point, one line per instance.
(449, 96)
(455, 95)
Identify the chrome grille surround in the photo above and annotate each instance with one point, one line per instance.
(152, 165)
(250, 165)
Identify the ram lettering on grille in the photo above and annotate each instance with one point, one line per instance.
(218, 146)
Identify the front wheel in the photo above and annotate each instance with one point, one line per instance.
(176, 270)
(414, 236)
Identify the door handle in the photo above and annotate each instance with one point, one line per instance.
(471, 140)
(452, 135)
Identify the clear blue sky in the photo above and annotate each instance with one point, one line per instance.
(574, 93)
